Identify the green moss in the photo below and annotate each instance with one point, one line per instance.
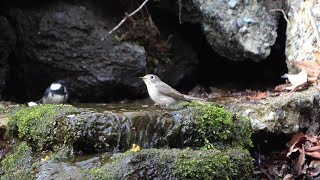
(62, 153)
(215, 123)
(100, 173)
(109, 171)
(35, 124)
(242, 132)
(176, 164)
(242, 163)
(215, 165)
(18, 165)
(218, 125)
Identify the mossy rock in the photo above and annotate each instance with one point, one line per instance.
(18, 165)
(218, 126)
(145, 164)
(196, 125)
(177, 164)
(36, 124)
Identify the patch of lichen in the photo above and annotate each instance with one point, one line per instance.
(18, 165)
(217, 125)
(35, 124)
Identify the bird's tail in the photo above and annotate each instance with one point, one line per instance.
(190, 98)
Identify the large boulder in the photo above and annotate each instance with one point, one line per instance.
(61, 41)
(235, 29)
(303, 40)
(7, 44)
(285, 114)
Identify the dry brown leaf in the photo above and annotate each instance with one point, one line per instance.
(314, 154)
(295, 138)
(312, 68)
(299, 163)
(260, 95)
(281, 87)
(296, 146)
(314, 148)
(312, 138)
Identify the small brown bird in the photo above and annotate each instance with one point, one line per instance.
(162, 94)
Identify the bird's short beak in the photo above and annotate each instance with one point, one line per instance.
(143, 77)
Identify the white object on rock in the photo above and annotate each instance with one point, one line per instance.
(32, 104)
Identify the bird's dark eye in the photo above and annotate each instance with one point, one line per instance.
(151, 77)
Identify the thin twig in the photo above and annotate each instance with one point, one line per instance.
(180, 9)
(122, 21)
(313, 24)
(284, 15)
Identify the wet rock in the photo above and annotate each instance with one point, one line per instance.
(59, 171)
(60, 41)
(301, 17)
(285, 114)
(7, 44)
(146, 164)
(237, 30)
(47, 126)
(18, 164)
(177, 164)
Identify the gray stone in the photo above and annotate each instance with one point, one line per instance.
(223, 23)
(285, 114)
(61, 42)
(302, 42)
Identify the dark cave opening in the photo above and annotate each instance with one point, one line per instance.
(215, 70)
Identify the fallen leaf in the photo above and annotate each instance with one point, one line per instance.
(296, 146)
(312, 138)
(314, 154)
(299, 163)
(258, 96)
(312, 68)
(295, 138)
(281, 87)
(314, 148)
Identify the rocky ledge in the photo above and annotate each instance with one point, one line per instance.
(53, 136)
(170, 140)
